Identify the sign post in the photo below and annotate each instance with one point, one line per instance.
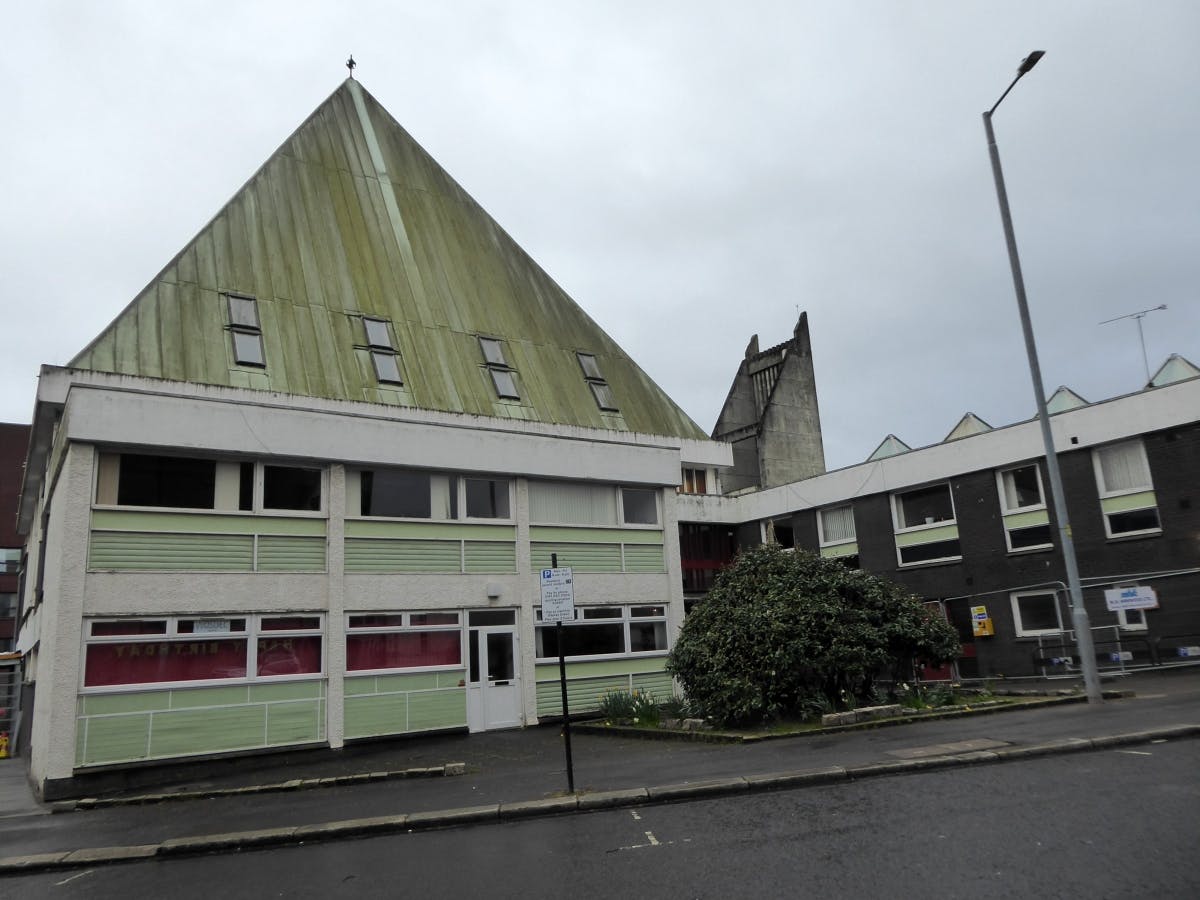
(558, 606)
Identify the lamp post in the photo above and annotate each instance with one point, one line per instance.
(1079, 616)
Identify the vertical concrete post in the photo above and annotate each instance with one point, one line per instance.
(335, 622)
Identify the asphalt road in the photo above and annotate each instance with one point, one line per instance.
(1115, 824)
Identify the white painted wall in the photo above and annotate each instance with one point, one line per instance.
(53, 730)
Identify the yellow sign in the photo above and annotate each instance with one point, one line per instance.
(981, 622)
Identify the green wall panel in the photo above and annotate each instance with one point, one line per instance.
(644, 558)
(448, 531)
(286, 690)
(437, 709)
(170, 552)
(296, 722)
(587, 682)
(621, 666)
(568, 534)
(587, 558)
(583, 694)
(277, 553)
(383, 555)
(186, 722)
(113, 738)
(483, 557)
(107, 704)
(660, 684)
(1127, 502)
(1027, 519)
(188, 731)
(927, 536)
(840, 550)
(371, 715)
(193, 698)
(204, 523)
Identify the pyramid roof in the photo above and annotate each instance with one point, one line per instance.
(968, 425)
(889, 446)
(351, 218)
(1063, 399)
(1174, 369)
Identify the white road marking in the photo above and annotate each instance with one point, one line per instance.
(73, 877)
(634, 813)
(1136, 752)
(653, 840)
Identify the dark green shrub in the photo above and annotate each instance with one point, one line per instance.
(786, 632)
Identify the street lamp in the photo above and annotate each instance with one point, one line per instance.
(1079, 616)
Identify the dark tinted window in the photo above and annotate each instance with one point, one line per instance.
(166, 481)
(285, 487)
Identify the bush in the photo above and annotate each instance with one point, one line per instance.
(787, 632)
(629, 708)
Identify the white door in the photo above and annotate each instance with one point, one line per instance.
(493, 682)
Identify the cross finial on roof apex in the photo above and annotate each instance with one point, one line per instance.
(350, 64)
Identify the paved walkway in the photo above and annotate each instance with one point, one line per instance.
(522, 773)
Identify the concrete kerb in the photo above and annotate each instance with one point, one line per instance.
(295, 784)
(473, 815)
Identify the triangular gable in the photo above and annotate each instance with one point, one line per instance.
(968, 425)
(1174, 369)
(1063, 399)
(351, 217)
(889, 446)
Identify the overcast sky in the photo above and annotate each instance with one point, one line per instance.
(691, 173)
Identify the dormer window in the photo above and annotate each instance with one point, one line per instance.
(595, 380)
(246, 331)
(383, 351)
(503, 375)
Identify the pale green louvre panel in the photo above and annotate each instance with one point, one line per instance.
(351, 218)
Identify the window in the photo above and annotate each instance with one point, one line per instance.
(173, 481)
(926, 530)
(10, 560)
(1035, 612)
(1026, 519)
(595, 380)
(246, 331)
(290, 487)
(837, 536)
(779, 531)
(924, 506)
(121, 652)
(837, 525)
(383, 350)
(487, 498)
(1021, 488)
(412, 640)
(605, 631)
(1127, 498)
(570, 503)
(414, 494)
(695, 481)
(639, 507)
(503, 375)
(177, 482)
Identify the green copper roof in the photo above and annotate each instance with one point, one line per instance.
(352, 218)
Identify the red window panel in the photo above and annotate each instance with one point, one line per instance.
(138, 626)
(291, 623)
(289, 656)
(405, 650)
(147, 662)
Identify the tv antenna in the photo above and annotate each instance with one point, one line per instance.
(1138, 316)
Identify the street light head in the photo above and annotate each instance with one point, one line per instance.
(1030, 61)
